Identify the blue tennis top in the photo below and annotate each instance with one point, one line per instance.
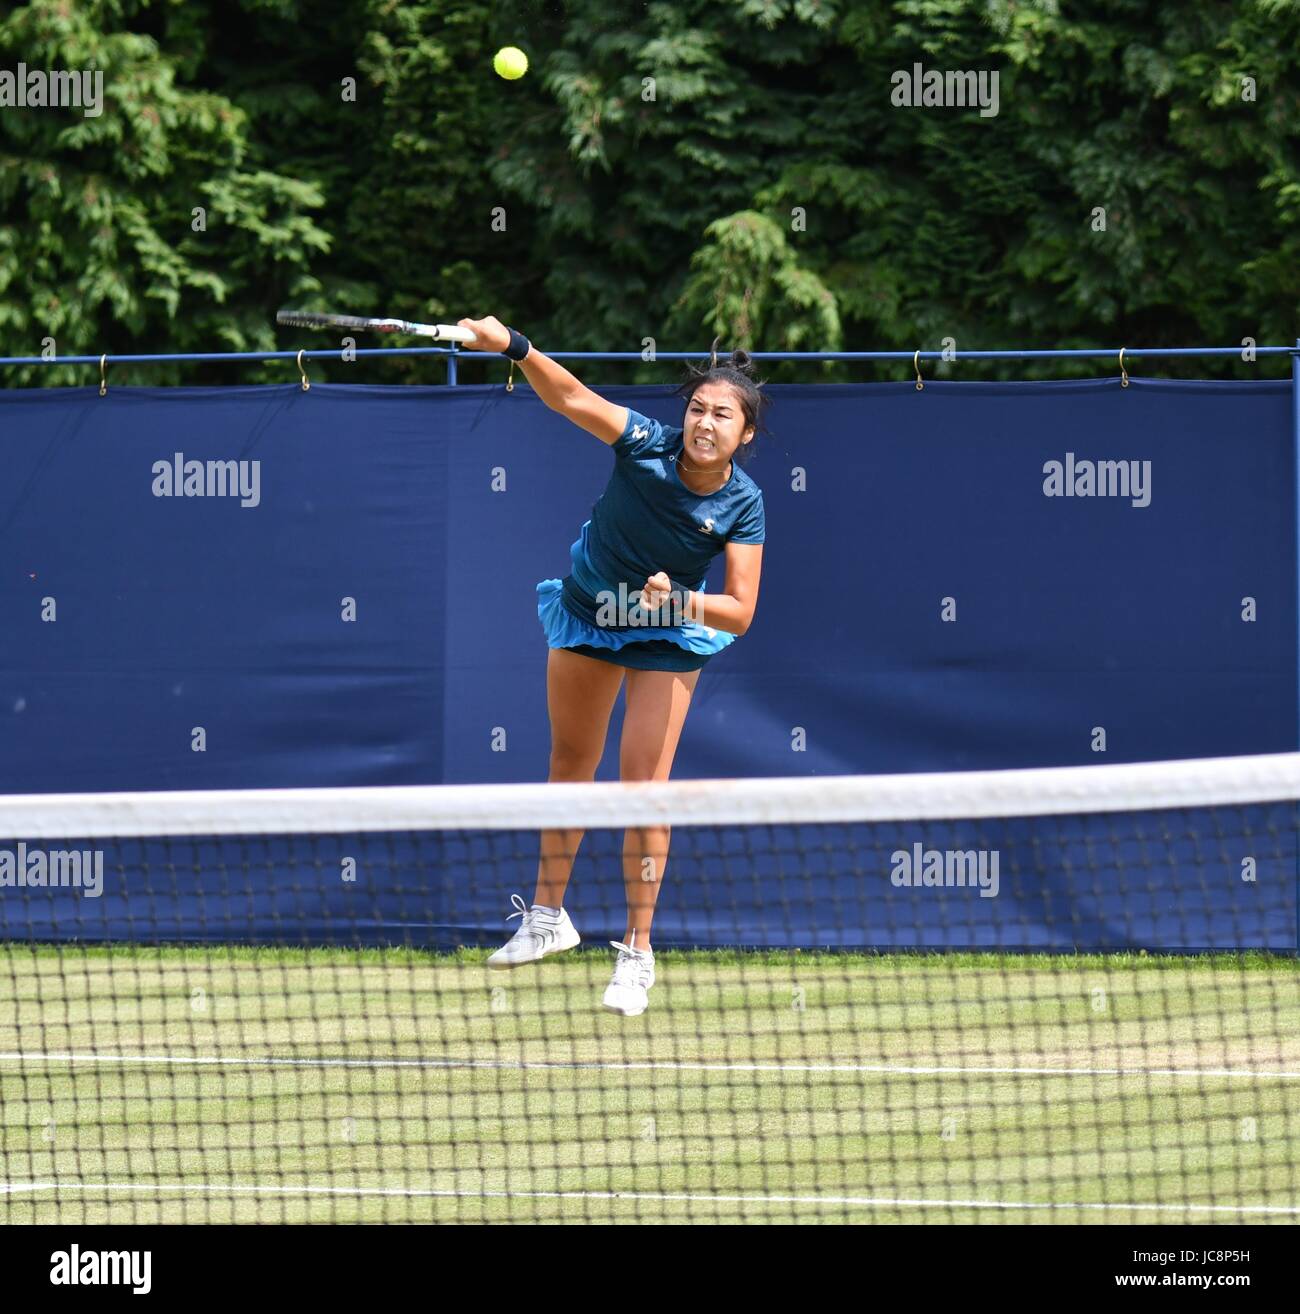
(648, 521)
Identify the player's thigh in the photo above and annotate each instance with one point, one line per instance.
(580, 695)
(657, 703)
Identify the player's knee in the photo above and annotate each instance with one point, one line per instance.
(641, 769)
(571, 762)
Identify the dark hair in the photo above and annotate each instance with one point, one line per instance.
(737, 372)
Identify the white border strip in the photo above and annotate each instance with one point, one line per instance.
(1039, 791)
(687, 1197)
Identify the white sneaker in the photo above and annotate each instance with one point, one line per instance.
(634, 974)
(541, 933)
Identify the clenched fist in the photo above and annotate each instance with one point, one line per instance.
(656, 591)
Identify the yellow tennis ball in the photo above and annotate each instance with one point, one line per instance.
(510, 62)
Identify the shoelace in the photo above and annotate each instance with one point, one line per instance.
(528, 924)
(632, 966)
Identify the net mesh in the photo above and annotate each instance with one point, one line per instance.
(1059, 995)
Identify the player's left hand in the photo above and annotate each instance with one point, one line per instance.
(656, 591)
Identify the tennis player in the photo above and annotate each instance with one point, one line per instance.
(634, 610)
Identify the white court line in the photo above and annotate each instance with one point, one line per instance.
(866, 1201)
(217, 1060)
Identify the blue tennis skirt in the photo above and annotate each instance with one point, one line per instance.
(681, 647)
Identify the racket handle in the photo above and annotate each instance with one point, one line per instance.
(454, 333)
(439, 332)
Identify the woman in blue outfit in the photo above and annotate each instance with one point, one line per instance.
(634, 609)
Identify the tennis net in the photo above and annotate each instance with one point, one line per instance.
(1064, 995)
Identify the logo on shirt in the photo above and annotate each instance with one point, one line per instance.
(638, 432)
(707, 526)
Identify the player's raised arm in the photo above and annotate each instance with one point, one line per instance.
(559, 389)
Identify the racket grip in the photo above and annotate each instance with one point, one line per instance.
(438, 332)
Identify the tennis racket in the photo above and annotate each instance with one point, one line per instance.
(310, 319)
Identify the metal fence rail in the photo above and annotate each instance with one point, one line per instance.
(453, 355)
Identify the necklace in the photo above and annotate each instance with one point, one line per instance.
(693, 470)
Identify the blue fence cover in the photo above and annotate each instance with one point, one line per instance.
(265, 587)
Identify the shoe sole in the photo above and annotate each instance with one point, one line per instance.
(525, 962)
(622, 1012)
